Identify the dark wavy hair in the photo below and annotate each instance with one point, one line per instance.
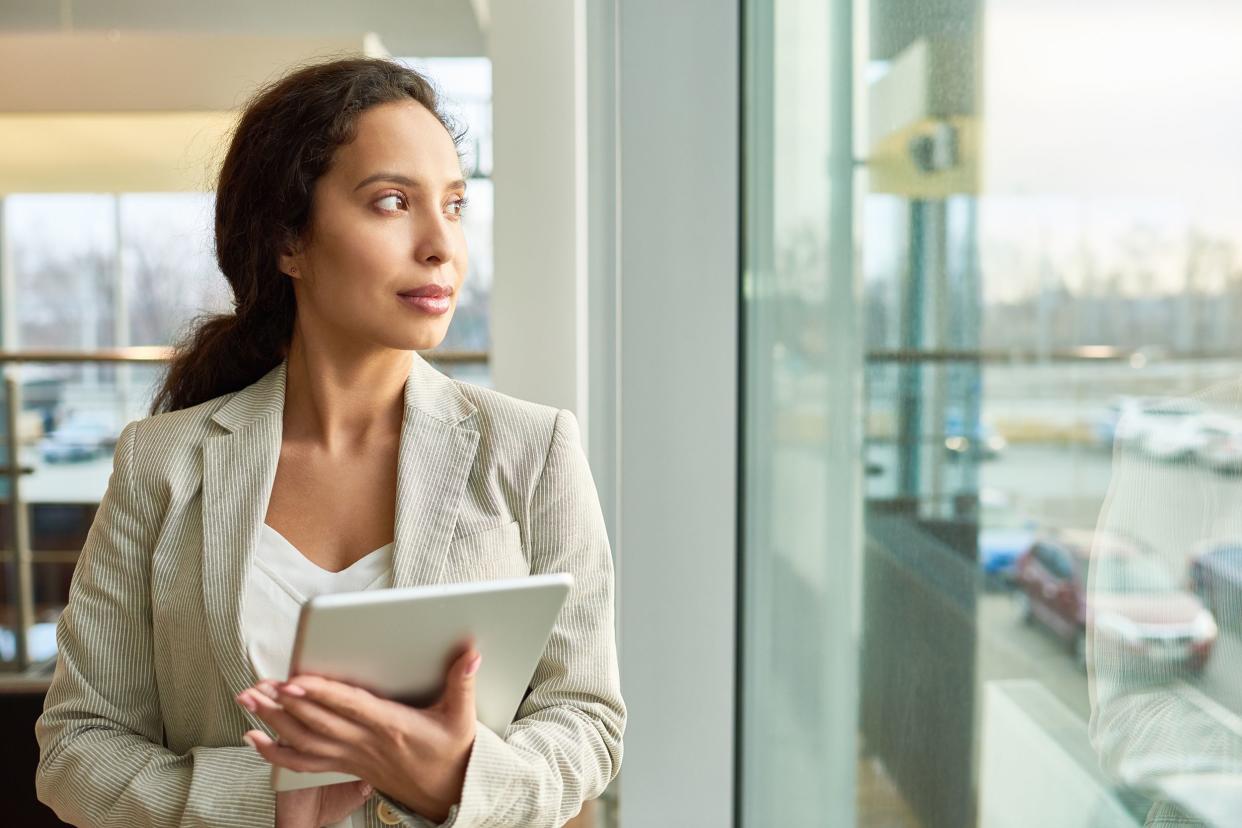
(284, 141)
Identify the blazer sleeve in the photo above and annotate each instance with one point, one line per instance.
(101, 759)
(564, 747)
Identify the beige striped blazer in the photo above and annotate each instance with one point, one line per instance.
(140, 726)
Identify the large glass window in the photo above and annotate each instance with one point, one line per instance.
(992, 414)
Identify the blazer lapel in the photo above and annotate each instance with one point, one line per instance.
(439, 437)
(239, 467)
(438, 441)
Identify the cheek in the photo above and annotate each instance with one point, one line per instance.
(355, 265)
(461, 261)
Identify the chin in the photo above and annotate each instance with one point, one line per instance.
(423, 340)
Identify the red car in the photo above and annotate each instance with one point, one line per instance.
(1136, 605)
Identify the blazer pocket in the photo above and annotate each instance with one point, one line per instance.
(487, 555)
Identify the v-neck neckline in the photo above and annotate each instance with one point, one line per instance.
(289, 545)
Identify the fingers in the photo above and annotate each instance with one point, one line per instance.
(457, 702)
(345, 700)
(337, 802)
(291, 730)
(317, 718)
(287, 757)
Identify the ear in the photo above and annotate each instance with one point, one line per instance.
(289, 259)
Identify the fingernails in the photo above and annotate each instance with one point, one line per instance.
(366, 791)
(267, 689)
(250, 741)
(291, 690)
(262, 700)
(245, 701)
(473, 666)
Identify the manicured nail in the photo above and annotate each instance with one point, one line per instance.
(473, 666)
(366, 791)
(245, 701)
(292, 690)
(264, 701)
(250, 741)
(267, 689)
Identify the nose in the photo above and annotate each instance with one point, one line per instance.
(433, 239)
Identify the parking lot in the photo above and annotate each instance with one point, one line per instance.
(1064, 486)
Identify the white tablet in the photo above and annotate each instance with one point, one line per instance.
(399, 643)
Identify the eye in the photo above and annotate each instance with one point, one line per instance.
(397, 198)
(458, 205)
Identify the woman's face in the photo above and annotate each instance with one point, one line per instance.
(386, 257)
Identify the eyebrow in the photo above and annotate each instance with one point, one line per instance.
(459, 184)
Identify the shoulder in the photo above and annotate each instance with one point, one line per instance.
(171, 430)
(519, 434)
(169, 439)
(506, 417)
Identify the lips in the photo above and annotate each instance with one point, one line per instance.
(431, 291)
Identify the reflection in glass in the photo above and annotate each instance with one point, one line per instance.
(1050, 267)
(1165, 660)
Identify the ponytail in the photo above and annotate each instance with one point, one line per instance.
(224, 353)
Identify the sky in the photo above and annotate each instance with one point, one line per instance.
(1109, 137)
(1105, 119)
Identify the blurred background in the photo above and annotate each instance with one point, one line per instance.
(853, 298)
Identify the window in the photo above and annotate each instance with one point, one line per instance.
(978, 267)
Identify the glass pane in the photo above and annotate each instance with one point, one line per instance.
(472, 371)
(71, 417)
(470, 329)
(64, 270)
(168, 262)
(466, 86)
(10, 616)
(1038, 591)
(800, 476)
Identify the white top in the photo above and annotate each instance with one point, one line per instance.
(281, 580)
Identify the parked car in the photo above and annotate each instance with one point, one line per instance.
(1174, 439)
(1216, 577)
(1220, 446)
(981, 443)
(78, 438)
(1136, 605)
(1004, 534)
(1166, 419)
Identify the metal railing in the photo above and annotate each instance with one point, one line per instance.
(1019, 356)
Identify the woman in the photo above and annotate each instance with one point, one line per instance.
(297, 442)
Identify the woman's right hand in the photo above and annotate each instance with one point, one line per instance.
(316, 807)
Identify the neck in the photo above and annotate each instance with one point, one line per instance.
(340, 401)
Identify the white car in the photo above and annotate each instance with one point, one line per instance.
(1167, 429)
(1220, 447)
(1175, 440)
(79, 438)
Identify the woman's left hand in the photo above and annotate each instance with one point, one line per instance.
(416, 756)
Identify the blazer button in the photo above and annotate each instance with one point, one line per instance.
(387, 814)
